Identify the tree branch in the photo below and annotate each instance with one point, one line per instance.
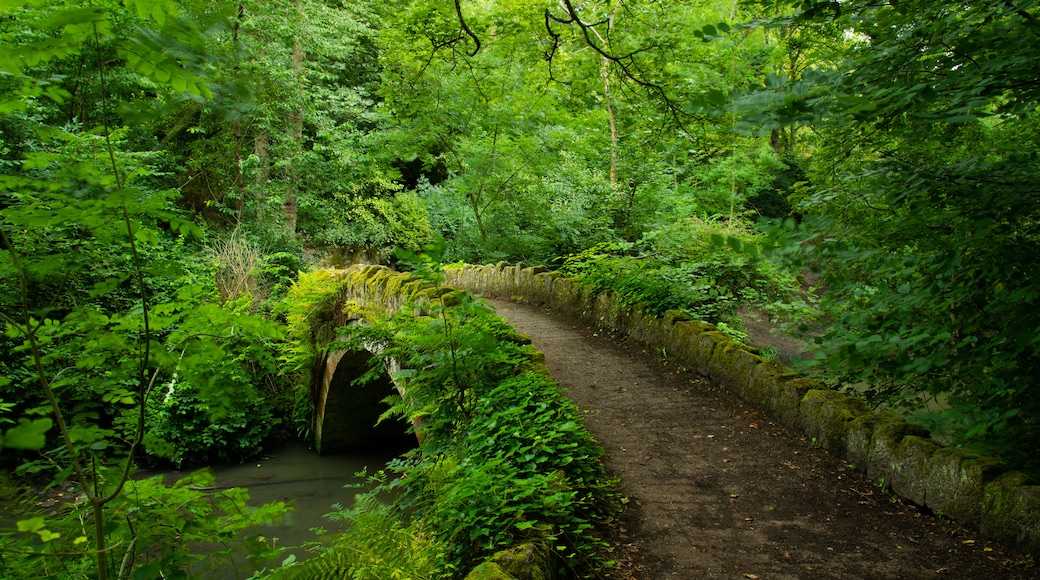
(465, 28)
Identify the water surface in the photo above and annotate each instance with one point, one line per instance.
(310, 483)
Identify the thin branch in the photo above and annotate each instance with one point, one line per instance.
(63, 554)
(465, 28)
(626, 63)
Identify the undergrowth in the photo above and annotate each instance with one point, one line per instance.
(503, 457)
(704, 269)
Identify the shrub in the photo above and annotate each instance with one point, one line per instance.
(698, 267)
(504, 456)
(187, 432)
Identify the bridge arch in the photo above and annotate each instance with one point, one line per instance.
(345, 413)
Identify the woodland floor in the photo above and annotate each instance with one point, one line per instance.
(716, 490)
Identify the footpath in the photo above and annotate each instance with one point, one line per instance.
(716, 490)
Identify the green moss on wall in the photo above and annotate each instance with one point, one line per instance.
(826, 415)
(529, 561)
(489, 571)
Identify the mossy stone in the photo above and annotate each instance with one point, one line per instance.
(489, 571)
(825, 415)
(859, 439)
(529, 561)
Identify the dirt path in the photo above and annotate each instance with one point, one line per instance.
(718, 491)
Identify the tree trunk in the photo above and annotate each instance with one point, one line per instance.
(604, 70)
(236, 129)
(296, 133)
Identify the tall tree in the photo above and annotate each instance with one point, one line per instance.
(927, 203)
(100, 293)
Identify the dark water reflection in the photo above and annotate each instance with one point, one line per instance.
(310, 483)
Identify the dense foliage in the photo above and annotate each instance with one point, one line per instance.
(699, 268)
(923, 208)
(503, 456)
(106, 297)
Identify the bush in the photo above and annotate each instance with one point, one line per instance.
(702, 268)
(504, 457)
(186, 431)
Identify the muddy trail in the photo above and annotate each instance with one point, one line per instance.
(716, 490)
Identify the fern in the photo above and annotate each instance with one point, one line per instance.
(397, 408)
(376, 546)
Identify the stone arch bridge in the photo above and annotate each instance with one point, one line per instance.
(345, 414)
(970, 488)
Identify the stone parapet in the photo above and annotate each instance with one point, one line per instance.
(975, 490)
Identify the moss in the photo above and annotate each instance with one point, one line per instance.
(859, 440)
(489, 571)
(605, 309)
(704, 351)
(767, 385)
(566, 301)
(1011, 511)
(883, 460)
(542, 288)
(530, 561)
(732, 364)
(682, 343)
(825, 416)
(912, 467)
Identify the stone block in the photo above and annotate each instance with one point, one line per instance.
(910, 468)
(683, 341)
(1011, 512)
(859, 438)
(528, 561)
(884, 446)
(957, 480)
(732, 363)
(825, 415)
(605, 308)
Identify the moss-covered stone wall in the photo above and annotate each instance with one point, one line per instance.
(977, 491)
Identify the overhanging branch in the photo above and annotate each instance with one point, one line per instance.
(466, 29)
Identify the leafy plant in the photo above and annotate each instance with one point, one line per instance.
(503, 456)
(374, 545)
(96, 307)
(694, 271)
(921, 209)
(158, 520)
(186, 431)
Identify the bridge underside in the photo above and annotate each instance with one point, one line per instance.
(346, 414)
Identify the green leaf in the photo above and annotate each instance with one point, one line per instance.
(73, 16)
(29, 434)
(31, 525)
(159, 13)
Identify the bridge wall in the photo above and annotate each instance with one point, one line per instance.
(344, 414)
(975, 490)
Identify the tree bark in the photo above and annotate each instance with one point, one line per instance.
(605, 73)
(296, 133)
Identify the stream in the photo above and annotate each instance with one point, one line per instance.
(292, 473)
